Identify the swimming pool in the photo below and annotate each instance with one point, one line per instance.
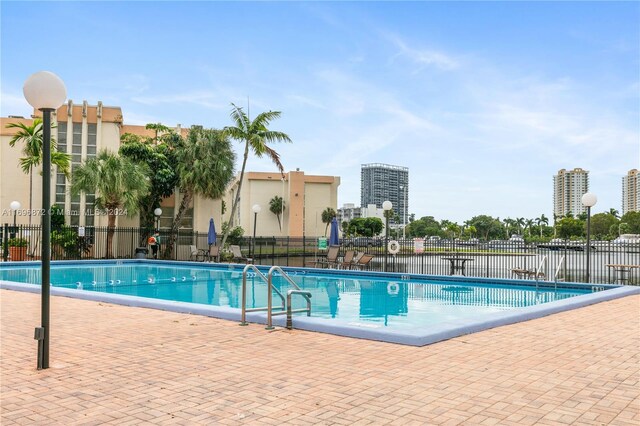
(413, 309)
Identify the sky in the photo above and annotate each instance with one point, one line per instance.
(483, 101)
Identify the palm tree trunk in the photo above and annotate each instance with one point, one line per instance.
(186, 200)
(31, 194)
(110, 231)
(237, 197)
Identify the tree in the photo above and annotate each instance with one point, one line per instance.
(327, 216)
(159, 157)
(542, 220)
(118, 184)
(487, 227)
(601, 224)
(205, 167)
(256, 137)
(613, 212)
(569, 227)
(632, 219)
(276, 206)
(528, 224)
(32, 151)
(365, 226)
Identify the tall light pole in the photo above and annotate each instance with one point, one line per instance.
(46, 92)
(256, 209)
(15, 206)
(589, 200)
(386, 206)
(157, 212)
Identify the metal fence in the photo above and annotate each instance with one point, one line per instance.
(609, 262)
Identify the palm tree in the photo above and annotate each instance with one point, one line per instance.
(542, 220)
(205, 167)
(276, 206)
(256, 137)
(118, 184)
(327, 216)
(520, 222)
(528, 224)
(615, 213)
(32, 151)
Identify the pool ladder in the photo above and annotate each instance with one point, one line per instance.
(285, 307)
(539, 272)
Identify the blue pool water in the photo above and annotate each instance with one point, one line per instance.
(373, 300)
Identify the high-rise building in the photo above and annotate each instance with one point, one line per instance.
(630, 192)
(382, 182)
(568, 188)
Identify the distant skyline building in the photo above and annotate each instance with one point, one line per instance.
(382, 182)
(347, 212)
(568, 188)
(630, 192)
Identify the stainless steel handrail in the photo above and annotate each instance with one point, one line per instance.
(542, 262)
(270, 286)
(243, 319)
(555, 275)
(306, 295)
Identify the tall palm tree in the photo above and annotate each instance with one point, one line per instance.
(615, 213)
(256, 137)
(205, 167)
(327, 216)
(31, 135)
(542, 220)
(276, 206)
(528, 224)
(118, 184)
(520, 223)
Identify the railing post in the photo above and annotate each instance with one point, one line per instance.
(5, 242)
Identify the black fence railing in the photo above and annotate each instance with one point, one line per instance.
(609, 262)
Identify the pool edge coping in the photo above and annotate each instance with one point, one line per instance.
(436, 333)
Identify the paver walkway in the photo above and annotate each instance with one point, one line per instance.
(122, 365)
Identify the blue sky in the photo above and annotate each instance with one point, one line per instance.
(484, 102)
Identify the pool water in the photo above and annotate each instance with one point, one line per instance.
(365, 300)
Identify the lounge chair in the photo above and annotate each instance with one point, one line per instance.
(330, 260)
(237, 255)
(363, 261)
(214, 254)
(527, 273)
(347, 260)
(197, 254)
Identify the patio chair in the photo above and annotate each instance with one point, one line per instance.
(197, 254)
(214, 254)
(237, 255)
(363, 261)
(330, 260)
(347, 260)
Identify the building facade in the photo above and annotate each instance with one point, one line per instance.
(83, 130)
(568, 188)
(348, 212)
(382, 182)
(630, 192)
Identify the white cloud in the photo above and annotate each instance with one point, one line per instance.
(424, 58)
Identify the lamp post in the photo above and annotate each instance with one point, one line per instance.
(256, 209)
(589, 200)
(157, 212)
(386, 206)
(15, 206)
(46, 92)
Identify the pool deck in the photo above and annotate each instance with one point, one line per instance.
(124, 365)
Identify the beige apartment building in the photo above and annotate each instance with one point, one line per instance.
(630, 192)
(568, 188)
(82, 130)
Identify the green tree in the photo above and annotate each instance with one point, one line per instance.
(276, 206)
(569, 227)
(31, 136)
(613, 212)
(256, 137)
(365, 226)
(118, 184)
(540, 221)
(632, 219)
(327, 216)
(205, 168)
(601, 223)
(487, 227)
(159, 156)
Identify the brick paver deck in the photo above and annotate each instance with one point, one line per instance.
(121, 365)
